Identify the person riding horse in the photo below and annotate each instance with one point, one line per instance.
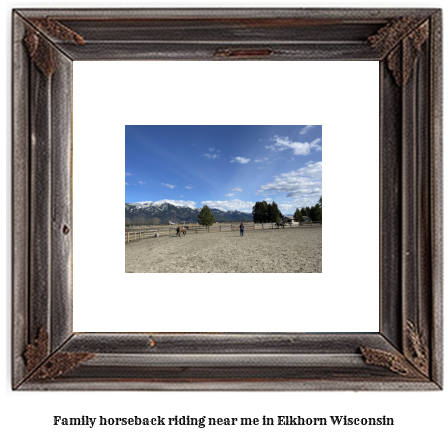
(181, 230)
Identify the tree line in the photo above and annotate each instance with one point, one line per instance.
(264, 212)
(313, 212)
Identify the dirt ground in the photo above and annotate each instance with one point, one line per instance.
(283, 250)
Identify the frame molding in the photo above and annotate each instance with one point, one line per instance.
(406, 354)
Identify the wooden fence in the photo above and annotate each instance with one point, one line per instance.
(143, 233)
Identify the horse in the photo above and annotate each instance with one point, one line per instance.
(280, 224)
(180, 231)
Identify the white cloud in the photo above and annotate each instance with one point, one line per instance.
(283, 143)
(126, 184)
(142, 182)
(181, 196)
(304, 184)
(189, 186)
(260, 167)
(171, 186)
(267, 199)
(260, 160)
(277, 147)
(240, 160)
(289, 209)
(237, 189)
(311, 169)
(128, 174)
(213, 149)
(230, 194)
(231, 204)
(306, 129)
(211, 156)
(315, 144)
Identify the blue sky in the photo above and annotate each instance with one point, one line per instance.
(226, 167)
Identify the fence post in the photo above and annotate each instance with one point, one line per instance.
(220, 228)
(128, 236)
(262, 226)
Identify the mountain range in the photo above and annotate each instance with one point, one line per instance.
(168, 212)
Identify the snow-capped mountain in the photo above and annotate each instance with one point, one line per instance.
(176, 212)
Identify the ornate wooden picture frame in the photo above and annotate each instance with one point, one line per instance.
(406, 353)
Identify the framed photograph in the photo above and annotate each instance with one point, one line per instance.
(183, 342)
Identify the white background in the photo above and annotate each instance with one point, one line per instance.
(416, 414)
(110, 95)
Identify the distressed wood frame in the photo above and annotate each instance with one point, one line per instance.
(406, 354)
